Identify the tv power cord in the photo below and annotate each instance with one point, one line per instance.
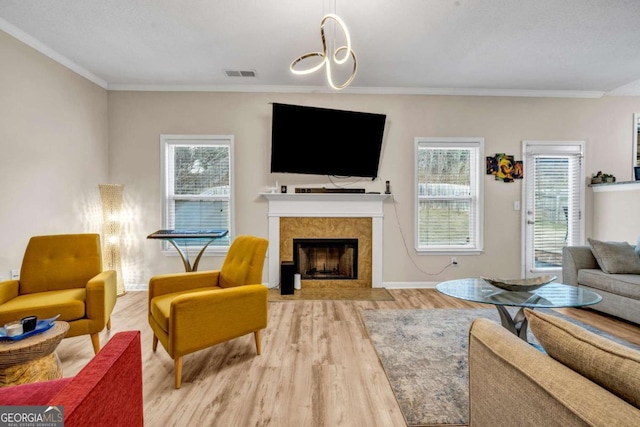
(406, 248)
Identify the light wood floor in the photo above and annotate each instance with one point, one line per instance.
(317, 368)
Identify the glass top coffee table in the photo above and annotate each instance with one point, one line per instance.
(553, 295)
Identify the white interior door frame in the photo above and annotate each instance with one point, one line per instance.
(532, 147)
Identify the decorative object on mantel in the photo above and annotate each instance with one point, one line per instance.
(603, 178)
(272, 190)
(504, 167)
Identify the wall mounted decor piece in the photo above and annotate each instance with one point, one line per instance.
(504, 167)
(492, 165)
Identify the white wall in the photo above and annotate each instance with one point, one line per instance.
(62, 135)
(53, 150)
(615, 212)
(136, 120)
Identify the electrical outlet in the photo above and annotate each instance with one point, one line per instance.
(454, 260)
(15, 274)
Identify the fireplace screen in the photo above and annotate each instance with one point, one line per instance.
(326, 259)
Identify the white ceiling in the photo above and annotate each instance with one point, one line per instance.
(583, 48)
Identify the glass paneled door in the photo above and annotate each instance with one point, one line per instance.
(553, 203)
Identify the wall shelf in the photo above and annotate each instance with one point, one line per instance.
(616, 186)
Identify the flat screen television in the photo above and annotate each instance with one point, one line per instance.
(322, 141)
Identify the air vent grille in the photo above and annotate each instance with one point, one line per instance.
(240, 73)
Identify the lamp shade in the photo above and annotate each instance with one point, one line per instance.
(111, 197)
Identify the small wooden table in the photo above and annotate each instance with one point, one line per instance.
(32, 359)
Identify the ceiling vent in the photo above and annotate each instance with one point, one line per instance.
(240, 73)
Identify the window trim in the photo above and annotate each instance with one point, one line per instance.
(166, 141)
(474, 142)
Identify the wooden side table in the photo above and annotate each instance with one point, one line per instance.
(32, 359)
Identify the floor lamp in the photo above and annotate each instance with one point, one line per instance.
(111, 196)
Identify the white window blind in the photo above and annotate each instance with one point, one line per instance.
(553, 175)
(197, 186)
(448, 196)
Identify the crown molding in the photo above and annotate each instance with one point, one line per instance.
(627, 90)
(47, 51)
(359, 90)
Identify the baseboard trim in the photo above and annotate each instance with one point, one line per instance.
(410, 285)
(133, 287)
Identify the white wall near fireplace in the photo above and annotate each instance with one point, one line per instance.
(325, 205)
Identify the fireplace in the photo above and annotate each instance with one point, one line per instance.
(325, 232)
(327, 216)
(326, 259)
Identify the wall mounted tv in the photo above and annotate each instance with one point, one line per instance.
(322, 141)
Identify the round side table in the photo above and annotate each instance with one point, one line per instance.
(32, 359)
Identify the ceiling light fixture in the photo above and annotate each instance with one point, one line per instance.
(326, 60)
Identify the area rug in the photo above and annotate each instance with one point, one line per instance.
(344, 294)
(424, 354)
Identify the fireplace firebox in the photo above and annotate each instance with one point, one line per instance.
(326, 259)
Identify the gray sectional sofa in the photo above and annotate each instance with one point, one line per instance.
(620, 292)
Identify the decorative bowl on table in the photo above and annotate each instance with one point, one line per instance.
(520, 284)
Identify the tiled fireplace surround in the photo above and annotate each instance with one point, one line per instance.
(333, 215)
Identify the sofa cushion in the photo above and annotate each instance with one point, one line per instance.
(615, 257)
(37, 393)
(61, 261)
(609, 364)
(625, 285)
(68, 303)
(161, 305)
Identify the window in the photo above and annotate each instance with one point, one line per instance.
(197, 187)
(449, 194)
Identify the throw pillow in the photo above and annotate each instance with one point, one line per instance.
(615, 257)
(609, 364)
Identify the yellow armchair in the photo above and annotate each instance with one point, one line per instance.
(192, 311)
(62, 274)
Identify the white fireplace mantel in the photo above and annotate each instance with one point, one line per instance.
(325, 205)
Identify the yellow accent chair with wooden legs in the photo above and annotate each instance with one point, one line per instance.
(192, 311)
(62, 274)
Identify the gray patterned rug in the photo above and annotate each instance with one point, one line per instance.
(424, 354)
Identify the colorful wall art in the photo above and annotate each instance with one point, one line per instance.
(504, 167)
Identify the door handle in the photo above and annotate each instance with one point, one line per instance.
(531, 222)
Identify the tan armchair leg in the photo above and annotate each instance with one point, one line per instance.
(178, 368)
(109, 324)
(155, 342)
(95, 341)
(258, 347)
